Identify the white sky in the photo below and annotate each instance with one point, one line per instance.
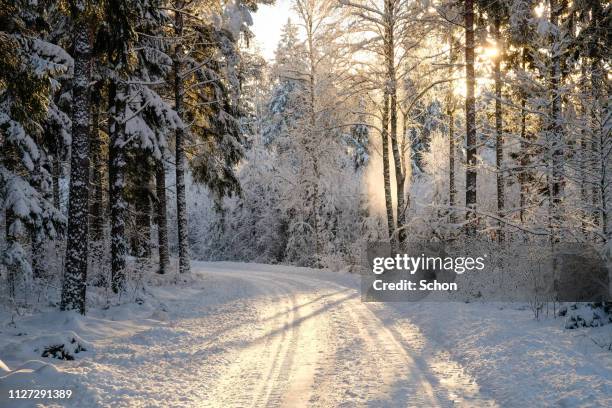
(267, 23)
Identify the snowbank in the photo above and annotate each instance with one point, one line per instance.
(38, 375)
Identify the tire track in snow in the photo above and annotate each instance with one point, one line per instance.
(258, 374)
(397, 360)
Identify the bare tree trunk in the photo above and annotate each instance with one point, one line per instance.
(181, 200)
(75, 273)
(400, 177)
(142, 205)
(97, 170)
(162, 218)
(556, 128)
(450, 111)
(116, 180)
(499, 137)
(386, 165)
(583, 159)
(523, 154)
(601, 146)
(38, 243)
(313, 140)
(470, 120)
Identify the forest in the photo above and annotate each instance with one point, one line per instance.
(139, 135)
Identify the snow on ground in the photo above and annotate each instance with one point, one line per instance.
(258, 335)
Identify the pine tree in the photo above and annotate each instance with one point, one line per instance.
(75, 275)
(139, 119)
(470, 119)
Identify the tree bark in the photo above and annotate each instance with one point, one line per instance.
(116, 180)
(311, 144)
(470, 120)
(391, 84)
(97, 170)
(181, 200)
(38, 242)
(499, 137)
(555, 127)
(162, 218)
(75, 273)
(523, 160)
(386, 165)
(142, 206)
(450, 111)
(601, 146)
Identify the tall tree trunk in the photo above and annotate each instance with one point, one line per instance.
(97, 169)
(499, 137)
(162, 218)
(142, 206)
(470, 120)
(386, 165)
(116, 180)
(38, 243)
(310, 144)
(450, 111)
(583, 155)
(601, 146)
(556, 127)
(75, 273)
(523, 160)
(400, 177)
(181, 200)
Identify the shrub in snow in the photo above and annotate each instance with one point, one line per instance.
(62, 351)
(64, 346)
(586, 315)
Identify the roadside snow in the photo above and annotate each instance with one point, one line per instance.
(260, 335)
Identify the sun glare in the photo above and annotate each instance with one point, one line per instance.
(490, 52)
(539, 10)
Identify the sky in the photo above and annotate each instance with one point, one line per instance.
(267, 23)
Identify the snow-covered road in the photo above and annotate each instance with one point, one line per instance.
(258, 336)
(248, 335)
(314, 343)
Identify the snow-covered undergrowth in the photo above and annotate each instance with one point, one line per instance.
(519, 360)
(176, 343)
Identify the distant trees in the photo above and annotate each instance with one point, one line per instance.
(301, 184)
(495, 81)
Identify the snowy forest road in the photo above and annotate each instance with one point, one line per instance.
(250, 335)
(309, 341)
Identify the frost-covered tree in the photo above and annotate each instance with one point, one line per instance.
(301, 189)
(77, 246)
(140, 120)
(207, 88)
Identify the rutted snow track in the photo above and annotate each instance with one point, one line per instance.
(247, 335)
(318, 345)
